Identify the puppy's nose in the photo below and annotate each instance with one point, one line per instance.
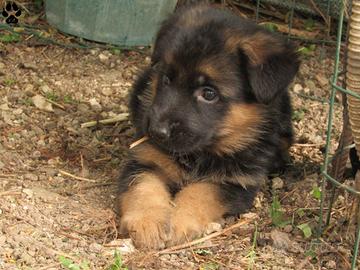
(160, 132)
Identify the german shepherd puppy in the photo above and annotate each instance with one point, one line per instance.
(216, 111)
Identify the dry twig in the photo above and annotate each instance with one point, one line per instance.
(205, 238)
(120, 117)
(77, 177)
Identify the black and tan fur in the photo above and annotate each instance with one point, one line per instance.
(206, 156)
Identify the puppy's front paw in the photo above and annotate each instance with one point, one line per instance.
(148, 229)
(184, 228)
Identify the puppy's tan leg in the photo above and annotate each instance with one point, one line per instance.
(145, 211)
(195, 207)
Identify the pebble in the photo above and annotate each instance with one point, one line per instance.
(213, 227)
(103, 58)
(281, 240)
(288, 228)
(95, 104)
(277, 183)
(4, 107)
(29, 90)
(41, 103)
(330, 264)
(297, 88)
(323, 81)
(106, 91)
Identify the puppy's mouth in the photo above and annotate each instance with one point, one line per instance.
(182, 144)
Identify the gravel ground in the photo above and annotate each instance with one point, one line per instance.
(58, 180)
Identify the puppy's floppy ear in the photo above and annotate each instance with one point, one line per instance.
(271, 63)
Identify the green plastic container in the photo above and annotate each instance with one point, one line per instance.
(119, 22)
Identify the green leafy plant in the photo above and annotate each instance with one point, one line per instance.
(252, 253)
(69, 100)
(271, 27)
(307, 51)
(309, 24)
(9, 38)
(9, 81)
(306, 229)
(118, 263)
(51, 96)
(316, 192)
(276, 213)
(70, 265)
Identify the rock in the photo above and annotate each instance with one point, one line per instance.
(323, 81)
(95, 104)
(83, 108)
(277, 183)
(29, 90)
(297, 88)
(280, 240)
(213, 227)
(330, 265)
(106, 91)
(41, 103)
(28, 192)
(30, 66)
(4, 107)
(2, 65)
(123, 246)
(2, 165)
(103, 58)
(18, 111)
(288, 228)
(310, 84)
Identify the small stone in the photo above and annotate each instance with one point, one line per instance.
(30, 66)
(95, 104)
(213, 227)
(297, 88)
(123, 246)
(107, 91)
(2, 65)
(323, 81)
(4, 107)
(277, 183)
(41, 103)
(103, 58)
(18, 111)
(94, 51)
(28, 192)
(288, 228)
(330, 264)
(112, 65)
(281, 240)
(82, 107)
(29, 90)
(2, 165)
(310, 84)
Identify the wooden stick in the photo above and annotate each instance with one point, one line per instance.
(77, 177)
(56, 104)
(205, 238)
(139, 141)
(120, 117)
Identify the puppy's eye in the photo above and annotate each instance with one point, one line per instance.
(165, 80)
(207, 94)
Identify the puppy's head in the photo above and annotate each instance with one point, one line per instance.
(213, 76)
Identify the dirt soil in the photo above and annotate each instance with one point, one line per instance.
(58, 180)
